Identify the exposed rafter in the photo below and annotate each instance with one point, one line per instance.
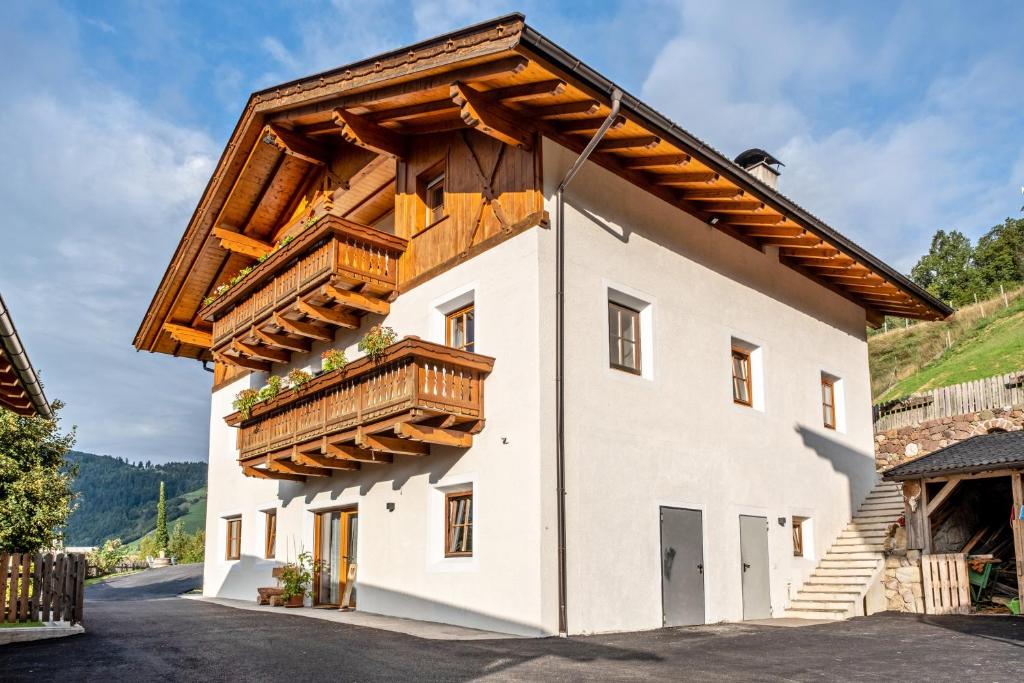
(303, 329)
(235, 241)
(362, 132)
(294, 144)
(357, 300)
(481, 113)
(328, 315)
(282, 341)
(189, 335)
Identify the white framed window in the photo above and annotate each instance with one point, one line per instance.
(746, 374)
(629, 332)
(833, 403)
(454, 525)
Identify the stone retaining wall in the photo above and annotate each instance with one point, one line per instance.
(897, 446)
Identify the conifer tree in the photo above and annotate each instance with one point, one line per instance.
(161, 521)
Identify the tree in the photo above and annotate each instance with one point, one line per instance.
(35, 481)
(161, 521)
(1000, 255)
(947, 270)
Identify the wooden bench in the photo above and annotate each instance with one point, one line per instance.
(267, 593)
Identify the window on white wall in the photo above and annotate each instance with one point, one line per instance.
(630, 337)
(833, 403)
(746, 362)
(454, 321)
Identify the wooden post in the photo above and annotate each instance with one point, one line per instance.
(914, 519)
(37, 584)
(4, 559)
(1018, 529)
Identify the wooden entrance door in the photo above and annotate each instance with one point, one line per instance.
(335, 551)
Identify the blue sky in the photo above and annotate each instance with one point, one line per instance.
(893, 119)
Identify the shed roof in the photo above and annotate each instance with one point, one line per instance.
(977, 454)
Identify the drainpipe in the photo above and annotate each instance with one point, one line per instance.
(563, 627)
(19, 359)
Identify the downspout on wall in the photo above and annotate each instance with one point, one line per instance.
(22, 366)
(563, 626)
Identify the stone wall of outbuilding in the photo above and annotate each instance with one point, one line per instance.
(897, 446)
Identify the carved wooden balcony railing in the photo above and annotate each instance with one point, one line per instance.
(327, 277)
(417, 394)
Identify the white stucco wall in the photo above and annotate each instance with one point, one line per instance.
(401, 569)
(674, 437)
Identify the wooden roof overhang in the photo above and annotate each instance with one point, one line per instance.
(504, 79)
(20, 389)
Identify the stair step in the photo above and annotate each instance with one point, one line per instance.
(840, 557)
(834, 563)
(889, 514)
(851, 588)
(832, 614)
(818, 579)
(863, 572)
(834, 596)
(868, 526)
(855, 538)
(883, 500)
(859, 548)
(823, 604)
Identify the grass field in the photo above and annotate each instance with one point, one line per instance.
(193, 520)
(985, 341)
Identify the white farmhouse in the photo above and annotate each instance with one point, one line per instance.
(629, 380)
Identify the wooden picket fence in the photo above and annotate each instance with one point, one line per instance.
(946, 587)
(42, 587)
(970, 397)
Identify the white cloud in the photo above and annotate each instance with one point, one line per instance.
(96, 192)
(886, 172)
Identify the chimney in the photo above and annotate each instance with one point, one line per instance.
(761, 165)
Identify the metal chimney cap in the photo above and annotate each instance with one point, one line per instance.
(754, 156)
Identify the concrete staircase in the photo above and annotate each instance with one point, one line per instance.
(838, 585)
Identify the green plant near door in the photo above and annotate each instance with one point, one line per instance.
(296, 579)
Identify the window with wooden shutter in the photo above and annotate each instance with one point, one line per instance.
(459, 524)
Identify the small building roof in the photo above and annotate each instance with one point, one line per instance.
(20, 389)
(977, 454)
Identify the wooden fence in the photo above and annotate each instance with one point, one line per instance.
(959, 399)
(945, 584)
(42, 587)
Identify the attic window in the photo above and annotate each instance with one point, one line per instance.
(431, 189)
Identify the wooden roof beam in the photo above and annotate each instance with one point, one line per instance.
(247, 363)
(410, 111)
(589, 125)
(684, 178)
(527, 91)
(328, 315)
(355, 453)
(479, 113)
(184, 334)
(256, 473)
(819, 253)
(303, 329)
(389, 444)
(282, 341)
(638, 163)
(777, 231)
(641, 142)
(434, 435)
(357, 300)
(322, 461)
(261, 352)
(234, 240)
(702, 193)
(757, 219)
(294, 144)
(362, 132)
(289, 467)
(555, 111)
(733, 206)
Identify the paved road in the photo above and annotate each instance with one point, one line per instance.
(137, 630)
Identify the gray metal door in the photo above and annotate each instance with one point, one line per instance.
(682, 567)
(757, 603)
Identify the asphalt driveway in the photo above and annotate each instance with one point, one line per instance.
(138, 630)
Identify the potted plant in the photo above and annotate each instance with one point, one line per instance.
(296, 578)
(272, 389)
(298, 378)
(244, 401)
(333, 359)
(377, 341)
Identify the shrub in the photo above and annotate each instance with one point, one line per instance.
(297, 576)
(106, 558)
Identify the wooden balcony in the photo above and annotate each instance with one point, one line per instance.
(417, 394)
(329, 276)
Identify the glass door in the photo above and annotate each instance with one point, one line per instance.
(337, 533)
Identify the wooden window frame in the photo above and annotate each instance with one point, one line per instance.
(468, 526)
(270, 538)
(615, 335)
(451, 317)
(748, 381)
(798, 536)
(424, 182)
(825, 405)
(233, 523)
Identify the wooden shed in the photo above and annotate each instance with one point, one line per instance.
(966, 502)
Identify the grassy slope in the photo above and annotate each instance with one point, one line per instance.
(193, 519)
(986, 346)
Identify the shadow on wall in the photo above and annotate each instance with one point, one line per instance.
(858, 468)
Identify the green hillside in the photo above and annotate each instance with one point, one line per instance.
(978, 342)
(117, 499)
